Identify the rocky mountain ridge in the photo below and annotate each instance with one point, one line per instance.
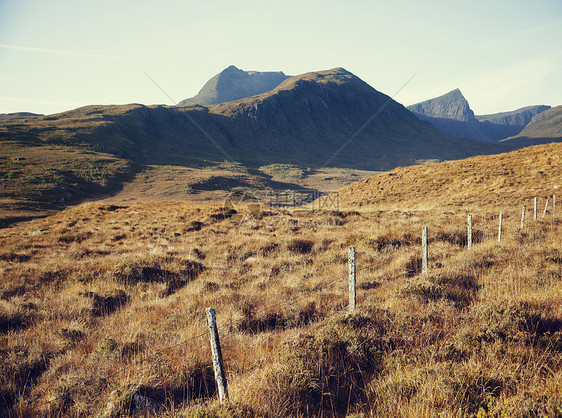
(452, 114)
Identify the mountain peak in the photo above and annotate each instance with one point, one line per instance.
(233, 83)
(451, 105)
(231, 69)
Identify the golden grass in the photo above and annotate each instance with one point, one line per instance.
(100, 303)
(503, 180)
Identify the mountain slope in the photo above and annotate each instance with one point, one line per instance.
(545, 127)
(304, 121)
(233, 84)
(478, 181)
(309, 117)
(502, 125)
(451, 113)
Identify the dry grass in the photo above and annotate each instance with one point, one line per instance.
(101, 303)
(503, 180)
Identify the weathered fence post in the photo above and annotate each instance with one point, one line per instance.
(500, 228)
(469, 232)
(218, 366)
(352, 277)
(523, 217)
(535, 211)
(545, 208)
(554, 206)
(424, 250)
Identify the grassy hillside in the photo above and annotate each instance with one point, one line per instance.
(37, 179)
(472, 183)
(102, 307)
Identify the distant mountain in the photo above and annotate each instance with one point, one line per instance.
(303, 121)
(543, 128)
(233, 84)
(451, 113)
(4, 117)
(503, 125)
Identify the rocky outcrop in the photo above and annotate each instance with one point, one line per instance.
(451, 114)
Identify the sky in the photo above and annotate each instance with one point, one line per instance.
(58, 55)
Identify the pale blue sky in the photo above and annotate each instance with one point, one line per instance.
(58, 55)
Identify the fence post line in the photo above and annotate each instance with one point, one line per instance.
(554, 206)
(500, 228)
(545, 208)
(523, 217)
(218, 365)
(469, 232)
(352, 277)
(535, 211)
(424, 250)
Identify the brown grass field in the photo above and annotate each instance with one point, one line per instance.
(101, 302)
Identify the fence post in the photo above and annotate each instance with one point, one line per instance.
(554, 206)
(469, 232)
(217, 355)
(545, 208)
(352, 277)
(535, 211)
(523, 217)
(500, 228)
(424, 250)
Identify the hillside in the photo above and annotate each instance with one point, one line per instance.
(474, 182)
(545, 127)
(38, 179)
(233, 84)
(102, 306)
(17, 116)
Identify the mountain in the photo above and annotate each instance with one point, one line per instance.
(451, 113)
(499, 126)
(303, 121)
(544, 127)
(233, 84)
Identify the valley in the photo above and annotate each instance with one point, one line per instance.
(103, 304)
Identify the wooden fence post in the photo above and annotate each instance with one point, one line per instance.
(535, 211)
(424, 250)
(469, 233)
(545, 208)
(523, 217)
(500, 228)
(352, 277)
(218, 366)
